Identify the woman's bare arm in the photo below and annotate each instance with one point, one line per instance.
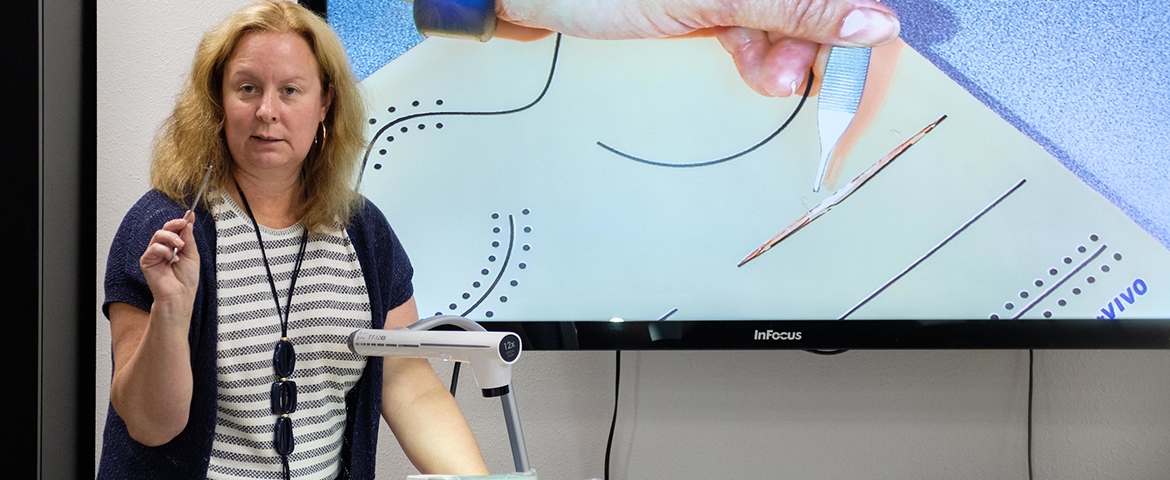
(152, 384)
(423, 415)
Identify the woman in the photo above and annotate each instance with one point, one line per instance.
(281, 254)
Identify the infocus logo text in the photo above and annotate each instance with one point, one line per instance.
(774, 335)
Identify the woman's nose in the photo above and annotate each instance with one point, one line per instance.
(266, 111)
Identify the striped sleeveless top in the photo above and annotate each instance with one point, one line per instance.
(330, 302)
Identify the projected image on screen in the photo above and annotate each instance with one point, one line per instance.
(574, 180)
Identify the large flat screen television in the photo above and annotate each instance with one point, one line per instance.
(1003, 183)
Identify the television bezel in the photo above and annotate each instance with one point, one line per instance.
(829, 336)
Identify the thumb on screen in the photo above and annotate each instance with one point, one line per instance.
(856, 23)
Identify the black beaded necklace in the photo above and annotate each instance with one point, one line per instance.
(284, 391)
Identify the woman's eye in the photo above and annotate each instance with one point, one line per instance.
(289, 90)
(248, 89)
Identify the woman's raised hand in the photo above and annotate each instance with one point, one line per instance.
(175, 280)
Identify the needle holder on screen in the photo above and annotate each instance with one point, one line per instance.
(840, 94)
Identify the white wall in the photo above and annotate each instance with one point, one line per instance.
(702, 415)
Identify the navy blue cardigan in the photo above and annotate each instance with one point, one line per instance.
(387, 273)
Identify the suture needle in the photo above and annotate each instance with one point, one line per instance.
(840, 195)
(199, 195)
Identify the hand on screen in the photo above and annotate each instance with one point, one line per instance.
(773, 42)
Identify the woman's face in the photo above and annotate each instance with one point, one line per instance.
(273, 102)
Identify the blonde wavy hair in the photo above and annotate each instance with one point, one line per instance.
(193, 136)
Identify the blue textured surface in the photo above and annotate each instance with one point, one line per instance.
(374, 31)
(1088, 81)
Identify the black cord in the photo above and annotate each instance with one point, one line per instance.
(617, 383)
(1031, 362)
(454, 378)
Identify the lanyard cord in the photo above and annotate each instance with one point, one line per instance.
(272, 283)
(296, 269)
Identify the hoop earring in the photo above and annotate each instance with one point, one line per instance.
(324, 136)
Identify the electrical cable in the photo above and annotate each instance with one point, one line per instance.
(617, 383)
(1031, 362)
(454, 378)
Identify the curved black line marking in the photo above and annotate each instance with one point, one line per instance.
(507, 256)
(552, 69)
(807, 89)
